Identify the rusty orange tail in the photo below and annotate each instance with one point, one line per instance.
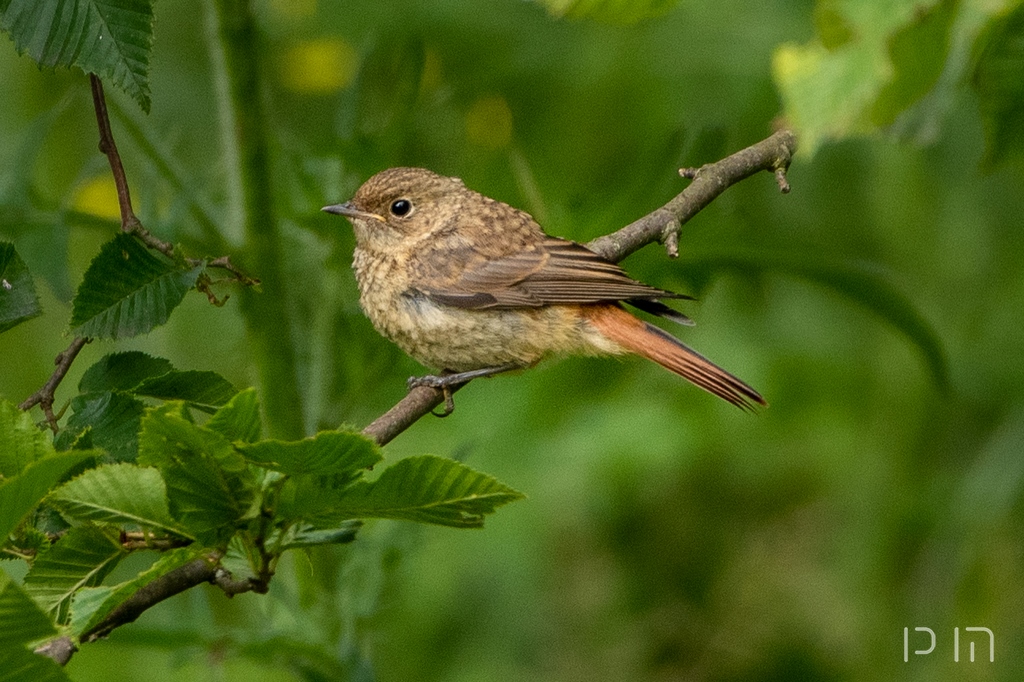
(654, 344)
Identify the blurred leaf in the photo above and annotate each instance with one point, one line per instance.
(20, 495)
(18, 664)
(18, 300)
(118, 494)
(208, 486)
(998, 80)
(918, 53)
(200, 388)
(111, 420)
(830, 86)
(81, 558)
(122, 371)
(426, 489)
(112, 38)
(328, 452)
(610, 11)
(21, 441)
(128, 291)
(22, 619)
(91, 605)
(861, 282)
(239, 420)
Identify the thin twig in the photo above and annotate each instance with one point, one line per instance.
(663, 224)
(45, 396)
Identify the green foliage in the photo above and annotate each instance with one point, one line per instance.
(24, 623)
(18, 300)
(121, 495)
(128, 291)
(81, 558)
(426, 489)
(873, 64)
(998, 80)
(109, 38)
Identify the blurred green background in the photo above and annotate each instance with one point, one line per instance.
(666, 535)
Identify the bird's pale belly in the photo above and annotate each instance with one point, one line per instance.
(446, 337)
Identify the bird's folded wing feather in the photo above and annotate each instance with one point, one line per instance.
(552, 271)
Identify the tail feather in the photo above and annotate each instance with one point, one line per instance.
(648, 341)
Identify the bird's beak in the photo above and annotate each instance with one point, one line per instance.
(350, 211)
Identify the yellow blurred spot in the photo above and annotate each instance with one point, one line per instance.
(98, 197)
(294, 9)
(489, 122)
(319, 66)
(431, 70)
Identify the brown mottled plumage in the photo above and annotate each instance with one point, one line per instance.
(464, 283)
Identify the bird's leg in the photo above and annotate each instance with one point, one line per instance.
(448, 381)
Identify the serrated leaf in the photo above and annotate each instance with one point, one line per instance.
(328, 452)
(22, 619)
(111, 421)
(20, 495)
(112, 38)
(861, 282)
(209, 487)
(426, 489)
(18, 664)
(128, 291)
(122, 371)
(18, 299)
(91, 605)
(117, 494)
(201, 388)
(998, 80)
(21, 441)
(82, 558)
(308, 536)
(239, 420)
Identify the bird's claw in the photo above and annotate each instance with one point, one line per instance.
(436, 382)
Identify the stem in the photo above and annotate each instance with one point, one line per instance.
(238, 68)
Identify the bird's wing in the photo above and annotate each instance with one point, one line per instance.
(551, 271)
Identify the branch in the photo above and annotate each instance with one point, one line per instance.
(663, 225)
(130, 223)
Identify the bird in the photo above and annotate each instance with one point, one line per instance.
(472, 287)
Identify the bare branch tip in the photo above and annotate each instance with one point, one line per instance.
(689, 173)
(780, 178)
(670, 237)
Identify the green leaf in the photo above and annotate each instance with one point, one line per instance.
(82, 558)
(22, 619)
(91, 605)
(112, 38)
(998, 80)
(426, 489)
(830, 86)
(209, 487)
(328, 452)
(861, 282)
(239, 420)
(112, 421)
(203, 389)
(308, 536)
(118, 494)
(610, 11)
(20, 495)
(122, 371)
(18, 664)
(128, 291)
(21, 441)
(18, 300)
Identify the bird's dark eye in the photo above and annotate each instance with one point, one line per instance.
(401, 207)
